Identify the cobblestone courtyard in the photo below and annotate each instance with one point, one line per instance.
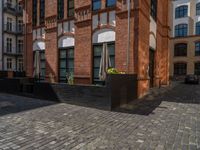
(167, 119)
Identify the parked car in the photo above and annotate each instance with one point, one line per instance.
(192, 79)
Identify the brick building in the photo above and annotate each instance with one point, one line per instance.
(69, 34)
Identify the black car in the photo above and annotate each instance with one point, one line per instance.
(193, 79)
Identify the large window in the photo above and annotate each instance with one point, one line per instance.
(198, 9)
(42, 65)
(9, 63)
(110, 3)
(180, 49)
(9, 24)
(197, 49)
(198, 28)
(197, 68)
(66, 63)
(70, 8)
(96, 4)
(20, 45)
(181, 11)
(154, 9)
(97, 59)
(34, 16)
(180, 69)
(181, 30)
(20, 65)
(42, 11)
(9, 45)
(60, 9)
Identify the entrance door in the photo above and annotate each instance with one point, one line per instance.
(151, 66)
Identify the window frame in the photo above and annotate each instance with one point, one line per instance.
(70, 9)
(99, 6)
(197, 48)
(181, 29)
(181, 11)
(180, 71)
(180, 50)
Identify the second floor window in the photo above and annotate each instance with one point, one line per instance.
(197, 68)
(197, 49)
(34, 17)
(42, 11)
(60, 9)
(96, 5)
(181, 30)
(180, 49)
(9, 45)
(110, 3)
(20, 46)
(198, 9)
(9, 63)
(198, 28)
(181, 11)
(70, 8)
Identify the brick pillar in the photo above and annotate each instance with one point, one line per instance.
(143, 47)
(51, 48)
(28, 38)
(121, 43)
(83, 43)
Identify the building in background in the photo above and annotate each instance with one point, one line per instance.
(185, 37)
(11, 36)
(69, 36)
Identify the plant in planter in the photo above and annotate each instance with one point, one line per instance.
(70, 78)
(114, 71)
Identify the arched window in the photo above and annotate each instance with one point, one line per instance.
(181, 30)
(180, 49)
(180, 69)
(198, 9)
(181, 11)
(197, 49)
(198, 28)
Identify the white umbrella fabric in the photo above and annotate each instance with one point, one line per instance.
(36, 73)
(105, 63)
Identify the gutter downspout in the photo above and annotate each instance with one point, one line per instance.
(128, 43)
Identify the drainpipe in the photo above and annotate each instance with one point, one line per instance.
(128, 44)
(25, 41)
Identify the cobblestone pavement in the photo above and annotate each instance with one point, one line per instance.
(166, 119)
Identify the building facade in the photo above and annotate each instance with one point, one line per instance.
(70, 35)
(11, 35)
(185, 38)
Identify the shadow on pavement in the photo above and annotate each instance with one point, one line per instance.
(177, 92)
(13, 104)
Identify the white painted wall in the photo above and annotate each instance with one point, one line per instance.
(153, 32)
(104, 35)
(66, 41)
(192, 17)
(38, 45)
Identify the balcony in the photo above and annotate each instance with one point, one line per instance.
(13, 51)
(13, 9)
(12, 29)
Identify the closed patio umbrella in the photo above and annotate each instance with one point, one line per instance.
(36, 73)
(105, 63)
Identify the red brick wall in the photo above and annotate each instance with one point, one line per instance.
(139, 45)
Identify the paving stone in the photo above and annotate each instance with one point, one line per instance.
(168, 119)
